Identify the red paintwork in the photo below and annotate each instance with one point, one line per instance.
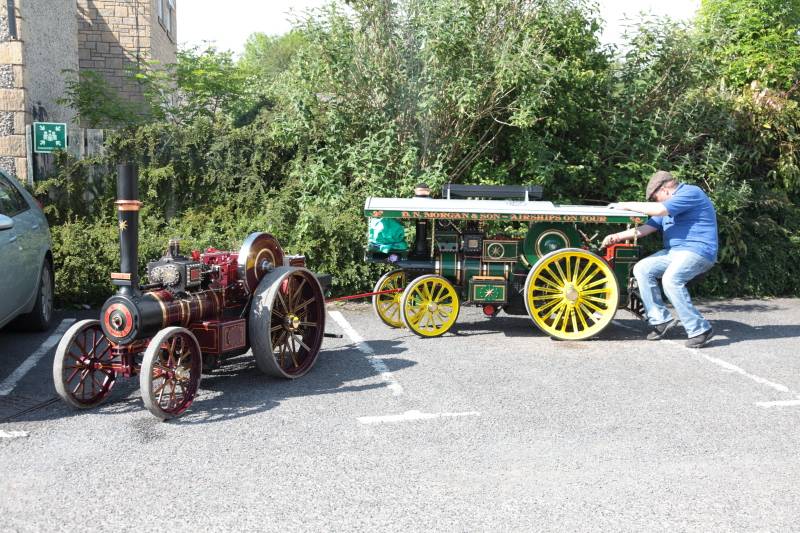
(226, 261)
(363, 295)
(128, 319)
(124, 357)
(612, 249)
(296, 260)
(218, 337)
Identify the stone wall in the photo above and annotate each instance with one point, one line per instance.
(13, 158)
(116, 36)
(163, 39)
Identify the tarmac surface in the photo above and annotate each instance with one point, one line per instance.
(494, 427)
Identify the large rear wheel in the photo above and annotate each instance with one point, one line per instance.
(571, 294)
(287, 322)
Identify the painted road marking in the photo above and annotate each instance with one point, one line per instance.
(410, 415)
(738, 370)
(362, 346)
(13, 434)
(731, 368)
(780, 403)
(8, 384)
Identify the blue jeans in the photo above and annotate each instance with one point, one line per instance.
(675, 268)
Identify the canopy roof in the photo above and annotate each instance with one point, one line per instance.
(501, 210)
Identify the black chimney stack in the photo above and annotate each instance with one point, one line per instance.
(128, 205)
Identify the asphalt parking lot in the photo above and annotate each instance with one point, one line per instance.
(492, 428)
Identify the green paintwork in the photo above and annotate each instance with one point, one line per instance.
(505, 217)
(549, 237)
(448, 266)
(488, 291)
(447, 242)
(624, 259)
(500, 250)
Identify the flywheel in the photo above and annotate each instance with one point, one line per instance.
(260, 253)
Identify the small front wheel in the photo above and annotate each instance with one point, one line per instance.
(83, 370)
(170, 373)
(387, 306)
(429, 306)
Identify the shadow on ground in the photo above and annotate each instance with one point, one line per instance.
(523, 326)
(626, 327)
(238, 389)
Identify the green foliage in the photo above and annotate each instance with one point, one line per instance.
(203, 83)
(267, 56)
(753, 40)
(208, 83)
(97, 104)
(369, 98)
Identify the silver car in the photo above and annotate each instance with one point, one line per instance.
(26, 259)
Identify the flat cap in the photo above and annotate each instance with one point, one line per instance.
(657, 180)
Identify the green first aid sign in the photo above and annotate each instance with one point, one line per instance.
(49, 137)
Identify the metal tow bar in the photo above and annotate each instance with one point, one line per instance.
(356, 297)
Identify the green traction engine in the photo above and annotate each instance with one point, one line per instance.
(548, 269)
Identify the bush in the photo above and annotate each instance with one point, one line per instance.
(372, 98)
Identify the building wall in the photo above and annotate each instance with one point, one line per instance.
(116, 36)
(111, 37)
(163, 38)
(12, 101)
(48, 30)
(113, 40)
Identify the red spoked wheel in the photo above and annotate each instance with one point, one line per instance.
(287, 322)
(82, 367)
(170, 373)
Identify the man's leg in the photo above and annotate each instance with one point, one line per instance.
(647, 272)
(684, 266)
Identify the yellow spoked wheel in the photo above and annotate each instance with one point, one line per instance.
(429, 306)
(571, 294)
(387, 306)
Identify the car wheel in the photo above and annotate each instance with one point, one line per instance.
(39, 318)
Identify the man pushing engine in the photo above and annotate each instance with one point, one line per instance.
(686, 217)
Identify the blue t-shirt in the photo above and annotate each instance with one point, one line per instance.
(691, 222)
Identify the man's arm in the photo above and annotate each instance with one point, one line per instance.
(628, 234)
(653, 209)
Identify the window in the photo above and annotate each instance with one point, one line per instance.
(11, 201)
(12, 18)
(167, 21)
(166, 15)
(170, 16)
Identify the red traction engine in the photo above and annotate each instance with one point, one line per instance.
(195, 311)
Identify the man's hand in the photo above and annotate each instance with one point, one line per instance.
(610, 239)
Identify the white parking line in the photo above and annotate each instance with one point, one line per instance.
(13, 434)
(410, 415)
(780, 403)
(375, 360)
(731, 368)
(738, 370)
(8, 384)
